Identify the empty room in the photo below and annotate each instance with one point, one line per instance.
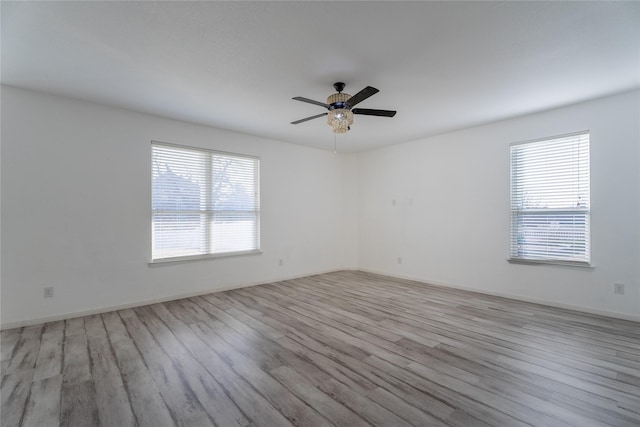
(320, 213)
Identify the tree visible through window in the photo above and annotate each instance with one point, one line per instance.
(203, 203)
(550, 200)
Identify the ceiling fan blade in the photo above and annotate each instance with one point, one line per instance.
(369, 112)
(311, 101)
(309, 118)
(362, 95)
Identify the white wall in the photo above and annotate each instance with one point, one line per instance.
(76, 209)
(450, 224)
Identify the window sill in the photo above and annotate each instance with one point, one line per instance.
(576, 264)
(178, 260)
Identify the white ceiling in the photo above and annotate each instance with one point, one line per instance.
(236, 65)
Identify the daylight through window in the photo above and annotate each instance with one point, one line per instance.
(550, 200)
(204, 203)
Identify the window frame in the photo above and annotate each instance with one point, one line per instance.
(544, 211)
(209, 255)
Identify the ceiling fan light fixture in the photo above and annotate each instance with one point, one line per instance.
(340, 108)
(340, 118)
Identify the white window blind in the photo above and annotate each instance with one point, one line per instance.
(550, 200)
(204, 203)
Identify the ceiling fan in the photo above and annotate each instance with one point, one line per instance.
(340, 106)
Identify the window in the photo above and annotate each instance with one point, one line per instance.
(204, 203)
(550, 200)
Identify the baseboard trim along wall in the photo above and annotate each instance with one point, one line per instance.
(588, 310)
(100, 310)
(65, 316)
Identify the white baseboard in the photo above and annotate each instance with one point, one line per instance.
(99, 310)
(589, 310)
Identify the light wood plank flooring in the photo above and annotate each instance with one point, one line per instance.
(345, 349)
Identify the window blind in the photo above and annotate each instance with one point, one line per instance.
(550, 200)
(203, 203)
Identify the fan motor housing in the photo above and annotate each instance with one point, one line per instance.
(338, 100)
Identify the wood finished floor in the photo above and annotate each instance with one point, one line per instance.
(345, 349)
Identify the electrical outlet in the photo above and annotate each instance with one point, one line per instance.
(48, 292)
(618, 288)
